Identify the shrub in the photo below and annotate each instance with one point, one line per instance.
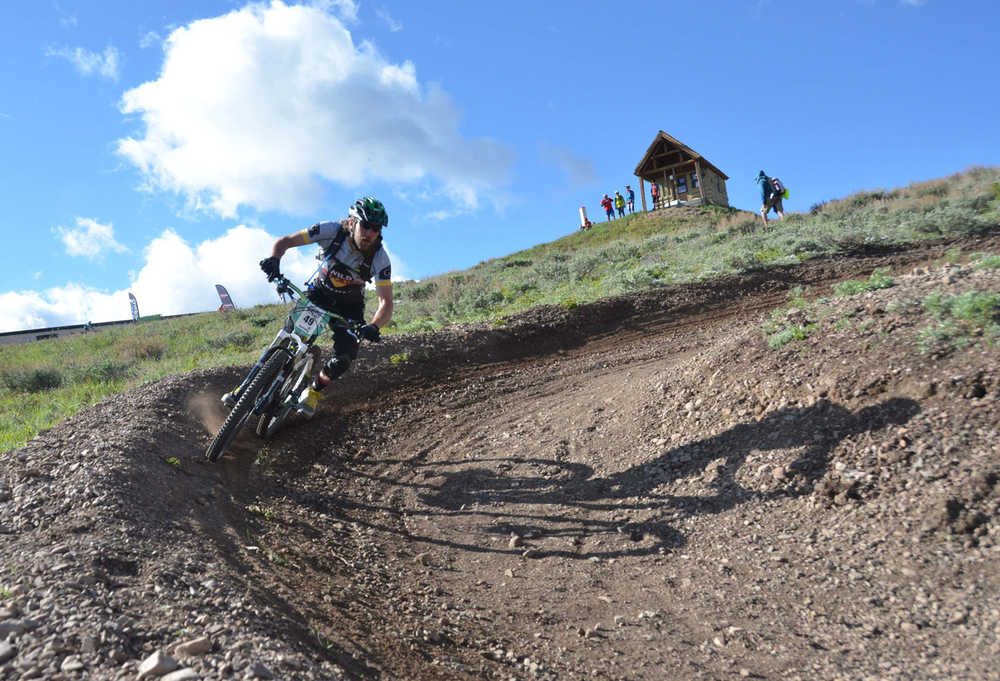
(551, 269)
(261, 322)
(422, 291)
(766, 255)
(952, 219)
(635, 279)
(961, 317)
(139, 348)
(480, 301)
(864, 198)
(31, 380)
(796, 297)
(420, 325)
(942, 339)
(787, 335)
(975, 307)
(233, 339)
(585, 266)
(991, 262)
(620, 253)
(519, 288)
(103, 370)
(879, 279)
(932, 188)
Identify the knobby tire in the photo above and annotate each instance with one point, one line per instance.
(244, 405)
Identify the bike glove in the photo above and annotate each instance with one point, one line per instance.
(271, 268)
(370, 333)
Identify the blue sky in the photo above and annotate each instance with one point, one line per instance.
(160, 147)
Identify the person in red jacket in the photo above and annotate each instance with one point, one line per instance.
(609, 207)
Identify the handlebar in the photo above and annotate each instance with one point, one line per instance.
(283, 283)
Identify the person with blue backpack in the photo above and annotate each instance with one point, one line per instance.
(771, 190)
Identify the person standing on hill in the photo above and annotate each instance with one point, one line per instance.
(654, 189)
(630, 196)
(620, 204)
(769, 198)
(608, 207)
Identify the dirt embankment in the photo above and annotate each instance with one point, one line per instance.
(636, 489)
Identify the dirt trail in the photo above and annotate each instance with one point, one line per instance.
(635, 489)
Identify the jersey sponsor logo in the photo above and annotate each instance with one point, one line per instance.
(340, 276)
(313, 231)
(385, 274)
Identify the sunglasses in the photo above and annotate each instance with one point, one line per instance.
(370, 226)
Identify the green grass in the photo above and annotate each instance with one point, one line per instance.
(42, 383)
(878, 279)
(963, 320)
(788, 334)
(988, 262)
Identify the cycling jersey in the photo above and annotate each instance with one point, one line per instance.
(340, 282)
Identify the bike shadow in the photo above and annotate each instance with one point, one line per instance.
(569, 500)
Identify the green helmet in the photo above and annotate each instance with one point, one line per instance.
(370, 210)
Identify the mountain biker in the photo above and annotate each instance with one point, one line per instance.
(339, 285)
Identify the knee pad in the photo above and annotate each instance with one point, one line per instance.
(336, 366)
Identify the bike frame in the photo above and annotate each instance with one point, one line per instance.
(264, 391)
(308, 321)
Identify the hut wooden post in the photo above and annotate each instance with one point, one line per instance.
(701, 185)
(642, 193)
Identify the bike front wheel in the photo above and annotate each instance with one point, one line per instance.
(245, 404)
(287, 397)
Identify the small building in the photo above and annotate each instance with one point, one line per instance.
(682, 176)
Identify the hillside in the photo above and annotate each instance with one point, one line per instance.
(785, 473)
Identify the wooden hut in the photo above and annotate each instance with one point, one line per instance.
(682, 175)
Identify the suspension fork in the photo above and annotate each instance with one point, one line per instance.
(276, 384)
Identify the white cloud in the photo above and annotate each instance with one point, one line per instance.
(266, 105)
(66, 19)
(53, 307)
(579, 171)
(387, 19)
(105, 64)
(91, 239)
(176, 278)
(150, 39)
(345, 9)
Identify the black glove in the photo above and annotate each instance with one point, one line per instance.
(271, 268)
(370, 333)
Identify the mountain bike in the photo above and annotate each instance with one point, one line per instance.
(271, 389)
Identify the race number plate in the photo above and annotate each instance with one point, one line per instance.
(309, 320)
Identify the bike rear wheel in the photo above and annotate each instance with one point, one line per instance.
(296, 381)
(245, 404)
